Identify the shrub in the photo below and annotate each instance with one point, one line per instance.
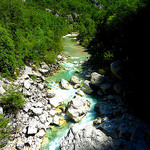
(12, 99)
(7, 59)
(4, 131)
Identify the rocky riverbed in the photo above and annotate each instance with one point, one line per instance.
(47, 106)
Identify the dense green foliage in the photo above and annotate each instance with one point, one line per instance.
(12, 99)
(31, 30)
(4, 131)
(111, 29)
(122, 34)
(28, 33)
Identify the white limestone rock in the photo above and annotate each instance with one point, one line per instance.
(64, 84)
(74, 80)
(27, 84)
(86, 87)
(41, 133)
(77, 109)
(32, 130)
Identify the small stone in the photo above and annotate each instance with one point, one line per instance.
(36, 111)
(80, 92)
(50, 93)
(32, 130)
(43, 71)
(41, 133)
(77, 86)
(27, 84)
(28, 70)
(1, 110)
(74, 80)
(104, 87)
(2, 90)
(20, 145)
(40, 86)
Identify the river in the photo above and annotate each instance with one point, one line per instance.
(69, 67)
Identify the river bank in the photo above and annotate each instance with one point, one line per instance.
(29, 124)
(55, 106)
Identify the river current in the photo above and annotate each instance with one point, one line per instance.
(69, 67)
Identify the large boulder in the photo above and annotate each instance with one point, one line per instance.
(97, 79)
(64, 84)
(77, 109)
(27, 84)
(86, 138)
(116, 69)
(56, 101)
(104, 108)
(74, 80)
(86, 87)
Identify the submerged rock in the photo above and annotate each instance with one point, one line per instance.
(77, 109)
(50, 93)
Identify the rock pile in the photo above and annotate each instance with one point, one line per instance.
(115, 126)
(87, 138)
(39, 112)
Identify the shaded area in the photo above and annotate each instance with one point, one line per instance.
(127, 40)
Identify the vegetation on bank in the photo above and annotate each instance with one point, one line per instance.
(31, 31)
(11, 101)
(4, 131)
(122, 34)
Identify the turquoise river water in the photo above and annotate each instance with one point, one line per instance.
(68, 69)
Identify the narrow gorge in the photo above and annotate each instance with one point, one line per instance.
(76, 108)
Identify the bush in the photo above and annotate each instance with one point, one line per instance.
(7, 55)
(4, 131)
(12, 99)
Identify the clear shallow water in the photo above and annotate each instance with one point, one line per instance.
(77, 53)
